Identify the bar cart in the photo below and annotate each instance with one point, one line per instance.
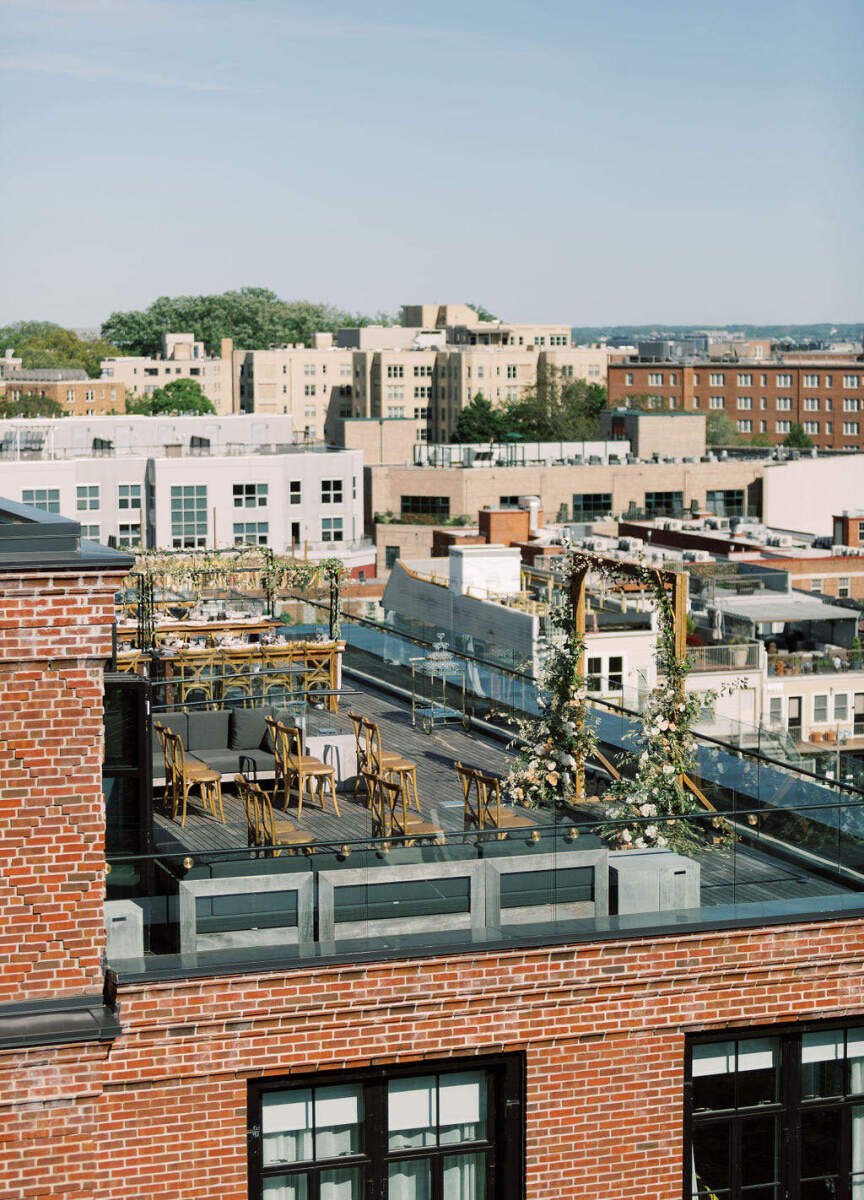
(430, 676)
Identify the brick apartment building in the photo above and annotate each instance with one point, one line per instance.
(825, 396)
(694, 1052)
(78, 397)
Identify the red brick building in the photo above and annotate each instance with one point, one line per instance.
(825, 396)
(710, 1051)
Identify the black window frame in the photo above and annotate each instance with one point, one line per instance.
(424, 506)
(599, 505)
(726, 502)
(788, 1107)
(664, 504)
(504, 1145)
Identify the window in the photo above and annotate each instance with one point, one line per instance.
(91, 532)
(717, 378)
(251, 533)
(850, 404)
(250, 495)
(816, 585)
(395, 411)
(820, 708)
(655, 378)
(128, 535)
(628, 377)
(511, 371)
(784, 403)
(745, 426)
(129, 495)
(811, 426)
(508, 501)
(295, 493)
(309, 389)
(394, 392)
(716, 402)
(809, 381)
(727, 502)
(811, 403)
(850, 428)
(784, 426)
(783, 380)
(663, 504)
(426, 506)
(841, 706)
(850, 381)
(594, 676)
(331, 491)
(745, 402)
(87, 497)
(776, 1116)
(395, 371)
(745, 380)
(422, 393)
(451, 1133)
(591, 506)
(189, 516)
(391, 553)
(44, 498)
(616, 673)
(844, 586)
(308, 368)
(331, 529)
(775, 710)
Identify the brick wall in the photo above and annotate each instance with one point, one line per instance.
(602, 1028)
(55, 633)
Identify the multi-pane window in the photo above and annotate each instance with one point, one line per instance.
(250, 495)
(395, 371)
(189, 516)
(820, 708)
(251, 533)
(395, 411)
(745, 426)
(295, 492)
(308, 389)
(816, 585)
(783, 380)
(394, 392)
(426, 506)
(811, 403)
(844, 589)
(129, 495)
(850, 404)
(655, 378)
(717, 378)
(773, 1117)
(745, 380)
(850, 381)
(784, 403)
(841, 706)
(308, 368)
(508, 501)
(716, 402)
(591, 506)
(745, 402)
(775, 710)
(811, 426)
(391, 553)
(452, 1133)
(331, 529)
(809, 381)
(663, 504)
(511, 371)
(128, 535)
(47, 499)
(90, 532)
(850, 428)
(725, 502)
(87, 497)
(784, 426)
(331, 491)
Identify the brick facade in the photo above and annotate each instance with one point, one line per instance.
(79, 397)
(162, 1114)
(55, 634)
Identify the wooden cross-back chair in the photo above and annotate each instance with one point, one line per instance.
(182, 774)
(390, 817)
(483, 807)
(360, 745)
(296, 770)
(197, 676)
(387, 762)
(265, 830)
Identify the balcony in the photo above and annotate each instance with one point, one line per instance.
(741, 657)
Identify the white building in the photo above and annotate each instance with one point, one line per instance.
(193, 482)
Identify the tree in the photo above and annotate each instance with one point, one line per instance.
(761, 439)
(254, 317)
(797, 438)
(179, 398)
(720, 431)
(483, 313)
(41, 344)
(556, 409)
(479, 422)
(31, 405)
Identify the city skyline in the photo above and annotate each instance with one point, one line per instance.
(560, 164)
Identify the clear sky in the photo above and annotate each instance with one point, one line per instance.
(590, 161)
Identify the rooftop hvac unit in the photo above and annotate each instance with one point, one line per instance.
(784, 541)
(839, 549)
(774, 540)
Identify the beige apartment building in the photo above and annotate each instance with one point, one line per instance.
(181, 358)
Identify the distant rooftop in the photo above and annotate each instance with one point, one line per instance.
(32, 538)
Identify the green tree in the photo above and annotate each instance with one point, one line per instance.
(31, 405)
(479, 422)
(41, 344)
(556, 408)
(254, 317)
(720, 431)
(482, 312)
(179, 398)
(797, 438)
(761, 439)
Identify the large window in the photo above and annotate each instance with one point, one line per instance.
(331, 491)
(251, 533)
(250, 495)
(331, 529)
(426, 506)
(777, 1117)
(590, 506)
(449, 1133)
(189, 516)
(48, 499)
(87, 497)
(664, 504)
(129, 495)
(727, 502)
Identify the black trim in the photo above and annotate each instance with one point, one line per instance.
(53, 1022)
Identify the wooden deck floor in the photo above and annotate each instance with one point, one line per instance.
(731, 874)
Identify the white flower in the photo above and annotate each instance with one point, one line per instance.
(626, 835)
(640, 842)
(661, 841)
(667, 769)
(651, 831)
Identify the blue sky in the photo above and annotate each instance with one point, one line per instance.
(617, 161)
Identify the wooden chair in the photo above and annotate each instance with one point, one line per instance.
(263, 829)
(387, 762)
(360, 744)
(196, 676)
(182, 774)
(296, 769)
(483, 807)
(390, 817)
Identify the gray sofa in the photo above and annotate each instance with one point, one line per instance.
(221, 737)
